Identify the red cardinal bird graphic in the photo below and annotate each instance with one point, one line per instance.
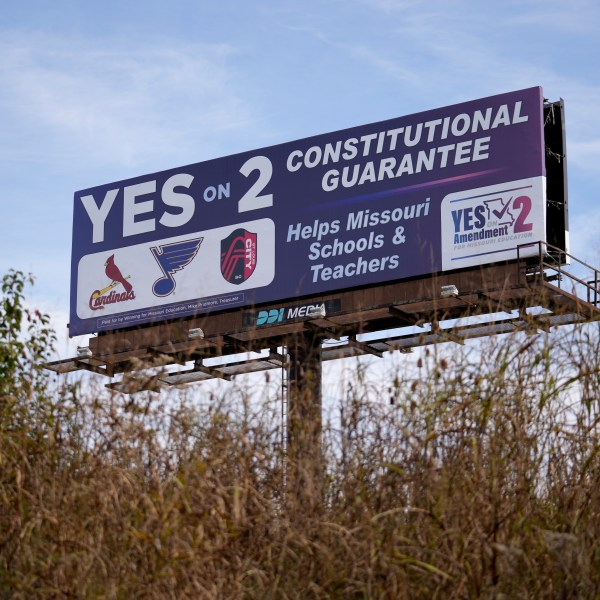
(113, 272)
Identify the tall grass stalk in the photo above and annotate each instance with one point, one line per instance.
(468, 472)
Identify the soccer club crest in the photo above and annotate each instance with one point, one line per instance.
(238, 256)
(172, 258)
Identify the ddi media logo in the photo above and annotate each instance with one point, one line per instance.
(283, 314)
(277, 315)
(268, 317)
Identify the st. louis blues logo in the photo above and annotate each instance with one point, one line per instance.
(238, 256)
(172, 258)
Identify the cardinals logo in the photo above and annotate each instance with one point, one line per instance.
(99, 298)
(238, 256)
(172, 258)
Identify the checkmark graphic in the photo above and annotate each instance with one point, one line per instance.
(501, 213)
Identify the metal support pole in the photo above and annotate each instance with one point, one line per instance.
(304, 426)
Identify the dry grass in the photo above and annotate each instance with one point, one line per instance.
(474, 475)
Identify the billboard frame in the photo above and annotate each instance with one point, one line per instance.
(159, 250)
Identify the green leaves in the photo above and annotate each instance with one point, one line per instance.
(26, 339)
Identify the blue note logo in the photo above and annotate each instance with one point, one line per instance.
(172, 258)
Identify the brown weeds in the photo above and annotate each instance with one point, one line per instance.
(469, 472)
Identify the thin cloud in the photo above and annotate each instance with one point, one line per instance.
(390, 6)
(585, 243)
(575, 16)
(427, 49)
(123, 105)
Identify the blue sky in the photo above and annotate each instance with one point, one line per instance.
(94, 92)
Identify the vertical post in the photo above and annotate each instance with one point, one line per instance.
(304, 426)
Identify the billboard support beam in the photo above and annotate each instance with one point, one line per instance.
(352, 341)
(407, 318)
(304, 425)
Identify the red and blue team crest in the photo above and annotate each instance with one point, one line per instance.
(238, 256)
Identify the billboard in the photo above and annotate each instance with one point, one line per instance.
(445, 189)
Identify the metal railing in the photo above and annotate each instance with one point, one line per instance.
(552, 258)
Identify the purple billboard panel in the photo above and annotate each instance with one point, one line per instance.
(445, 189)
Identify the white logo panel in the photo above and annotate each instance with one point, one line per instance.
(179, 269)
(485, 225)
